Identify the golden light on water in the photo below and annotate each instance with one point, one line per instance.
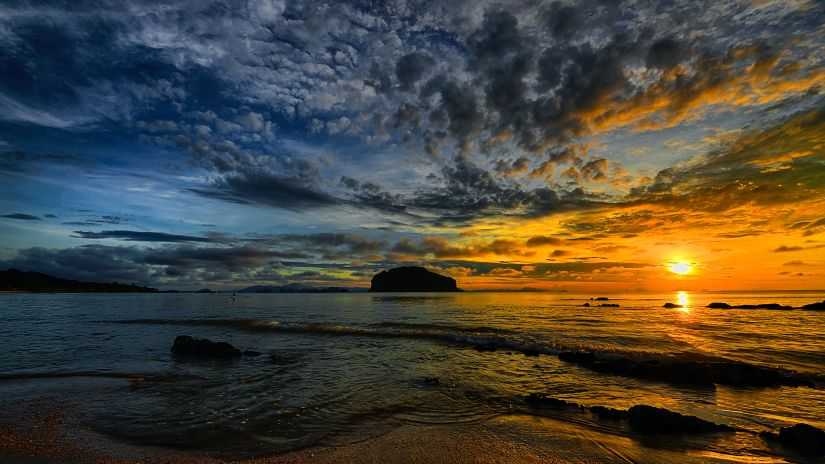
(679, 267)
(684, 301)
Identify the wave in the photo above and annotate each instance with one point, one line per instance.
(97, 374)
(482, 338)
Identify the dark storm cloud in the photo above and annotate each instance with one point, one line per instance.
(267, 189)
(352, 243)
(140, 236)
(664, 53)
(411, 67)
(94, 263)
(22, 217)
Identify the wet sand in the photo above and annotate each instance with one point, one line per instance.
(44, 436)
(44, 433)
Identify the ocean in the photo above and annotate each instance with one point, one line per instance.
(341, 368)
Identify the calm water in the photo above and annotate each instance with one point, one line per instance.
(347, 366)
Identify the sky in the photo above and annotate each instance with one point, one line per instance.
(598, 145)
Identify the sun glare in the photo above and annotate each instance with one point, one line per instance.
(679, 267)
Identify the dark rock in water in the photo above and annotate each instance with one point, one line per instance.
(650, 420)
(690, 372)
(672, 305)
(412, 279)
(774, 306)
(609, 305)
(431, 381)
(480, 347)
(804, 438)
(718, 305)
(815, 306)
(251, 354)
(529, 352)
(602, 298)
(579, 357)
(540, 400)
(603, 412)
(187, 346)
(586, 305)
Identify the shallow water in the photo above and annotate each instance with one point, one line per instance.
(347, 366)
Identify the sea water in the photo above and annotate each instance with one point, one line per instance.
(341, 367)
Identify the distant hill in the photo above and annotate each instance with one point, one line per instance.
(15, 280)
(292, 288)
(412, 279)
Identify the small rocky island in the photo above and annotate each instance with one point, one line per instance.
(412, 279)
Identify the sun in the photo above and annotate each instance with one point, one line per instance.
(679, 267)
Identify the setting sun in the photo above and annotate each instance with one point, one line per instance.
(679, 267)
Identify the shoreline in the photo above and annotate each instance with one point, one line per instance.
(45, 432)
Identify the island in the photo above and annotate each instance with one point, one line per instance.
(15, 280)
(412, 279)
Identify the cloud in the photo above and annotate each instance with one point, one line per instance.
(784, 249)
(22, 217)
(139, 236)
(267, 189)
(543, 240)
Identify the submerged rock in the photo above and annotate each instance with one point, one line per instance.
(481, 347)
(603, 412)
(774, 306)
(691, 372)
(543, 401)
(672, 305)
(815, 306)
(803, 438)
(651, 420)
(530, 352)
(609, 305)
(185, 345)
(718, 305)
(579, 357)
(412, 279)
(432, 381)
(586, 305)
(251, 354)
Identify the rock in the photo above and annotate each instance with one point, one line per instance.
(412, 279)
(650, 420)
(578, 357)
(251, 354)
(480, 347)
(698, 373)
(672, 305)
(187, 346)
(530, 352)
(431, 381)
(586, 305)
(804, 438)
(541, 400)
(603, 412)
(717, 305)
(602, 298)
(609, 305)
(815, 306)
(774, 306)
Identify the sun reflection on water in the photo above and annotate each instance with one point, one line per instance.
(683, 299)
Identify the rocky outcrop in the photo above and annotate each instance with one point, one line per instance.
(690, 372)
(803, 438)
(412, 279)
(643, 419)
(202, 348)
(672, 305)
(774, 306)
(650, 420)
(815, 306)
